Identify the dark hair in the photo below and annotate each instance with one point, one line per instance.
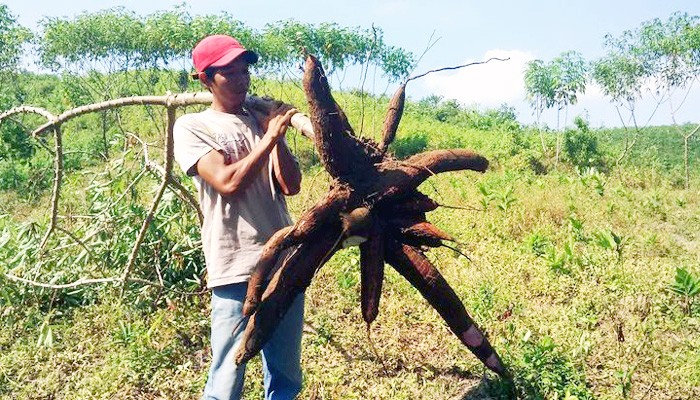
(210, 72)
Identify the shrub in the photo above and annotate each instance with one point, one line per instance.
(581, 146)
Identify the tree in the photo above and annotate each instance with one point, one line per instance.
(118, 40)
(14, 144)
(12, 38)
(621, 77)
(662, 54)
(555, 84)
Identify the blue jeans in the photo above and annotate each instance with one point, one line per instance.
(280, 356)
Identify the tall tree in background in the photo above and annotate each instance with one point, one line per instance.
(116, 53)
(621, 76)
(570, 76)
(12, 38)
(663, 56)
(555, 84)
(539, 90)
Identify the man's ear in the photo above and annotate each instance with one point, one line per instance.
(203, 77)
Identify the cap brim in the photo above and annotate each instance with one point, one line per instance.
(250, 56)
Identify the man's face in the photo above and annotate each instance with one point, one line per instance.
(231, 82)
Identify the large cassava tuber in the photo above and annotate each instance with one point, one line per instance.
(373, 202)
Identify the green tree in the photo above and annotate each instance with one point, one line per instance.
(662, 54)
(15, 146)
(539, 88)
(555, 84)
(621, 77)
(12, 37)
(118, 40)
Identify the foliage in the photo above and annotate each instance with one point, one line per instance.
(549, 374)
(686, 286)
(118, 40)
(12, 37)
(557, 83)
(581, 146)
(404, 147)
(663, 54)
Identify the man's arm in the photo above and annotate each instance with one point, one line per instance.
(228, 179)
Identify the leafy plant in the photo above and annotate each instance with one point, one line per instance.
(486, 195)
(539, 244)
(559, 262)
(576, 226)
(686, 286)
(624, 381)
(506, 198)
(609, 240)
(404, 147)
(581, 146)
(547, 374)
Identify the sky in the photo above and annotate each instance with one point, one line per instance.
(462, 30)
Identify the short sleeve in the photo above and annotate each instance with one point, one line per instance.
(191, 142)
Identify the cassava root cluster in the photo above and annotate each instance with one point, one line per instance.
(373, 203)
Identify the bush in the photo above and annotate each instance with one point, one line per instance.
(581, 146)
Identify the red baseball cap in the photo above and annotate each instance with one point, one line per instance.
(219, 50)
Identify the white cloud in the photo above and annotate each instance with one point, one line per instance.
(489, 84)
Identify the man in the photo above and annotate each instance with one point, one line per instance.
(241, 168)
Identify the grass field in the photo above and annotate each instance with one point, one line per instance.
(575, 274)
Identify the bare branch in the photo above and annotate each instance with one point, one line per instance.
(456, 67)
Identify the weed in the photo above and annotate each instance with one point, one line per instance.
(686, 286)
(576, 226)
(609, 240)
(506, 198)
(404, 147)
(486, 195)
(624, 381)
(547, 374)
(539, 244)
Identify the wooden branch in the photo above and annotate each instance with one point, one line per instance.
(28, 109)
(57, 181)
(81, 281)
(300, 122)
(156, 200)
(85, 281)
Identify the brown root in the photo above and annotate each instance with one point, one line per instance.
(393, 117)
(419, 271)
(279, 242)
(400, 178)
(423, 234)
(371, 273)
(343, 156)
(289, 281)
(413, 203)
(323, 213)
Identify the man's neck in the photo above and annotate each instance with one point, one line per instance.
(227, 108)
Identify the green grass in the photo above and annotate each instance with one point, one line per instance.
(571, 272)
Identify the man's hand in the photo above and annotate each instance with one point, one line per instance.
(276, 122)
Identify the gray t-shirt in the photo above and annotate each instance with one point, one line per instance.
(237, 226)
